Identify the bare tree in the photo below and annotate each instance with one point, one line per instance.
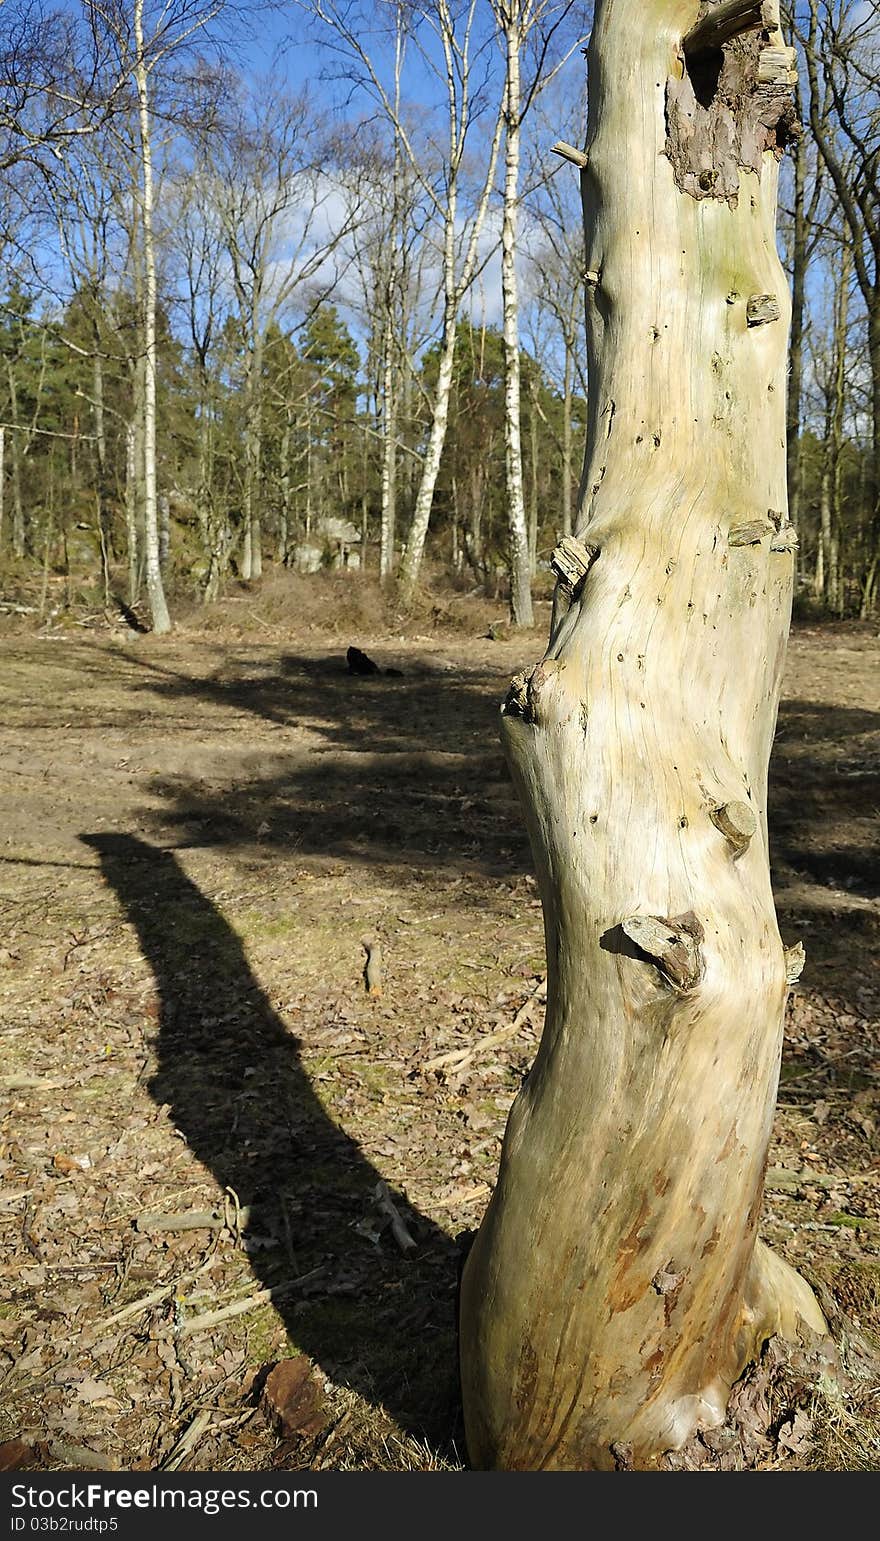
(149, 39)
(285, 218)
(59, 80)
(841, 43)
(444, 32)
(617, 1287)
(193, 233)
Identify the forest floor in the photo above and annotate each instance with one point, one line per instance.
(198, 834)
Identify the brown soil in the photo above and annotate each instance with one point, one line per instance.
(198, 835)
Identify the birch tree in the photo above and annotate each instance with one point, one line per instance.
(617, 1288)
(446, 35)
(520, 24)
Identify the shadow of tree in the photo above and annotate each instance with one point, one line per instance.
(824, 791)
(407, 770)
(230, 1075)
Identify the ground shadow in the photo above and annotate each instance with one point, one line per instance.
(399, 771)
(824, 795)
(230, 1075)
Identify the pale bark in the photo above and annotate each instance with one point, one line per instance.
(518, 539)
(388, 515)
(616, 1288)
(155, 589)
(455, 284)
(131, 519)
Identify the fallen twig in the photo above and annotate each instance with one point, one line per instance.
(190, 1220)
(209, 1319)
(386, 1206)
(82, 1456)
(459, 1057)
(21, 1083)
(188, 1439)
(155, 1297)
(779, 1179)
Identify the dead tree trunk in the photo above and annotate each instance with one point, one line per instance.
(617, 1288)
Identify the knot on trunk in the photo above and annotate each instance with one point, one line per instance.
(672, 945)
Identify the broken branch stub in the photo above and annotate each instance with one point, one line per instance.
(673, 945)
(749, 533)
(785, 539)
(762, 308)
(737, 823)
(571, 561)
(728, 21)
(795, 958)
(569, 152)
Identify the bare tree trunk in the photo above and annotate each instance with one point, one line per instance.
(566, 440)
(616, 1288)
(518, 539)
(388, 517)
(155, 589)
(796, 341)
(131, 519)
(286, 499)
(869, 583)
(533, 479)
(418, 530)
(19, 529)
(100, 440)
(827, 583)
(252, 558)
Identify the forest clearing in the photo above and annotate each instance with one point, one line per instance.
(199, 833)
(437, 1038)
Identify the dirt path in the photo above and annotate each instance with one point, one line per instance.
(196, 839)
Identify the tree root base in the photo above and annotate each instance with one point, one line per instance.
(769, 1421)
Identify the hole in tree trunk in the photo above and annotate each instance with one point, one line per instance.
(704, 70)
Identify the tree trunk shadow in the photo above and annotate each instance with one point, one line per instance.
(230, 1076)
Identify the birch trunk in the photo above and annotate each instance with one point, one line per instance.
(155, 589)
(131, 520)
(617, 1288)
(388, 515)
(252, 551)
(415, 542)
(518, 537)
(19, 542)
